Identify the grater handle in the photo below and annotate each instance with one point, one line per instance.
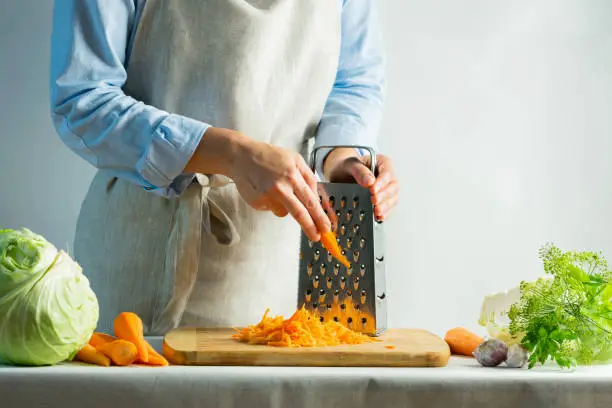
(369, 149)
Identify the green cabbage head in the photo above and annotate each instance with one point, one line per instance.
(47, 308)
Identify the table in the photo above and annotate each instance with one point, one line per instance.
(461, 384)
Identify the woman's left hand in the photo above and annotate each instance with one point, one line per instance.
(345, 165)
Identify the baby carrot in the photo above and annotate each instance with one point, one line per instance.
(128, 326)
(89, 354)
(461, 341)
(121, 352)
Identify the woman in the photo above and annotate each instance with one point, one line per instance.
(197, 114)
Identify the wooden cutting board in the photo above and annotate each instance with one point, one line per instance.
(412, 348)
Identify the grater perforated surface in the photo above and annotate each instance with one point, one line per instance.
(354, 296)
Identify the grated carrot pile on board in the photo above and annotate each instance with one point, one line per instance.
(303, 329)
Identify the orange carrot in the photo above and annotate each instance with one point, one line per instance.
(155, 358)
(97, 339)
(89, 354)
(302, 329)
(128, 326)
(461, 341)
(328, 240)
(121, 352)
(390, 346)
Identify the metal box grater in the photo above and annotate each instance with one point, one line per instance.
(354, 296)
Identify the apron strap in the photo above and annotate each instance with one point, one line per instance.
(196, 212)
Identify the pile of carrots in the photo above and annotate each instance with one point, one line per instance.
(302, 329)
(127, 347)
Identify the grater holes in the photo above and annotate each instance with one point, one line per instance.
(342, 282)
(332, 201)
(355, 202)
(349, 293)
(309, 269)
(343, 202)
(349, 242)
(343, 306)
(322, 269)
(364, 320)
(349, 215)
(317, 255)
(315, 282)
(336, 269)
(356, 283)
(321, 319)
(349, 320)
(356, 229)
(355, 255)
(362, 215)
(315, 305)
(349, 270)
(362, 243)
(342, 229)
(329, 282)
(329, 257)
(336, 319)
(329, 305)
(363, 296)
(362, 270)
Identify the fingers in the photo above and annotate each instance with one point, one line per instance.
(307, 173)
(299, 212)
(386, 173)
(361, 173)
(386, 200)
(311, 201)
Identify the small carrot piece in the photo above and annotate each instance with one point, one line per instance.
(462, 342)
(89, 354)
(155, 358)
(97, 339)
(328, 240)
(128, 326)
(121, 352)
(390, 347)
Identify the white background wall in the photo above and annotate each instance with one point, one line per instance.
(499, 117)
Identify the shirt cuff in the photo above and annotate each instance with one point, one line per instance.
(174, 143)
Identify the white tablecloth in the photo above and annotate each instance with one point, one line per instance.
(461, 384)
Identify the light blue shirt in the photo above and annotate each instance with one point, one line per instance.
(90, 49)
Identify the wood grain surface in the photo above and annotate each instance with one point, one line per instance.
(398, 348)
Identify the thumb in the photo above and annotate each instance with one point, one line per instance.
(361, 173)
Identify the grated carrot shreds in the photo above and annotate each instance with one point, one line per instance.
(302, 329)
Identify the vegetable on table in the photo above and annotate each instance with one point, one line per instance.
(491, 352)
(462, 342)
(98, 338)
(128, 326)
(155, 358)
(121, 352)
(566, 319)
(302, 329)
(89, 354)
(564, 316)
(517, 356)
(47, 307)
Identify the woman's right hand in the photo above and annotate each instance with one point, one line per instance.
(267, 177)
(272, 178)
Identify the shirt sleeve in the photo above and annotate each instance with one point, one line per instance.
(353, 111)
(92, 114)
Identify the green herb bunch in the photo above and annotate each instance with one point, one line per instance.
(567, 319)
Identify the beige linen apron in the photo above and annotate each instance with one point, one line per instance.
(263, 67)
